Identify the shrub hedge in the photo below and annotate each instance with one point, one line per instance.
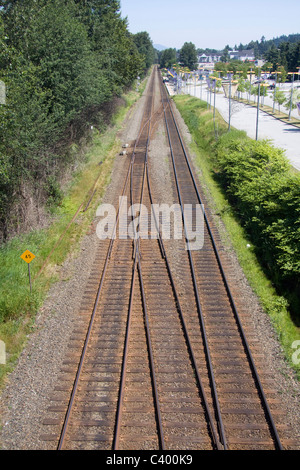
(266, 195)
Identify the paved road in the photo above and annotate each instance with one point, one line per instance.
(244, 117)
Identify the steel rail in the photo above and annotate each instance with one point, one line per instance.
(89, 330)
(116, 436)
(179, 309)
(147, 329)
(138, 265)
(264, 401)
(188, 341)
(146, 317)
(93, 314)
(177, 302)
(197, 297)
(151, 359)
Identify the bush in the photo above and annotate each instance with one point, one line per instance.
(53, 191)
(266, 195)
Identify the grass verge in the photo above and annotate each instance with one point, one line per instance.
(51, 246)
(200, 123)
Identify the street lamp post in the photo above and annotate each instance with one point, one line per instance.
(208, 88)
(229, 120)
(250, 88)
(214, 81)
(257, 115)
(201, 83)
(274, 94)
(215, 88)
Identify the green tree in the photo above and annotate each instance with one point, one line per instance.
(272, 56)
(282, 76)
(168, 58)
(294, 96)
(59, 44)
(188, 56)
(225, 55)
(222, 68)
(117, 54)
(241, 86)
(261, 90)
(294, 59)
(26, 127)
(280, 98)
(145, 47)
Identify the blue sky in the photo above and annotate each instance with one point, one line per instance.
(211, 23)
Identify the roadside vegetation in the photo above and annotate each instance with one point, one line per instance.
(257, 195)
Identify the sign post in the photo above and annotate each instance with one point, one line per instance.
(27, 256)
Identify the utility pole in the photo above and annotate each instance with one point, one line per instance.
(229, 120)
(275, 91)
(258, 96)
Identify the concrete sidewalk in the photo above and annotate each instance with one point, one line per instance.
(244, 117)
(281, 135)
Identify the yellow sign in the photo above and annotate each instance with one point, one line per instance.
(27, 256)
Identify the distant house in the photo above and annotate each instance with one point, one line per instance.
(203, 59)
(244, 55)
(209, 59)
(247, 54)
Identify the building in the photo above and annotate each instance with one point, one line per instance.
(244, 55)
(209, 59)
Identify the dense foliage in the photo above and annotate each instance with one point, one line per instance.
(167, 58)
(188, 56)
(287, 55)
(266, 195)
(61, 62)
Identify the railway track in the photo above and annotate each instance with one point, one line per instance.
(148, 368)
